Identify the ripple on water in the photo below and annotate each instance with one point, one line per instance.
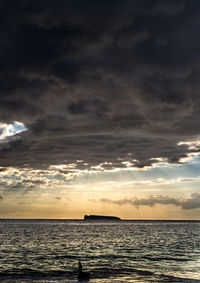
(109, 250)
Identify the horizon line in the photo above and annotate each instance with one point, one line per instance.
(82, 219)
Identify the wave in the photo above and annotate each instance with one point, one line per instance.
(165, 258)
(138, 275)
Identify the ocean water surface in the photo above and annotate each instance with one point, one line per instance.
(124, 251)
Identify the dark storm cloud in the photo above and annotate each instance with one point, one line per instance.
(186, 204)
(1, 198)
(96, 80)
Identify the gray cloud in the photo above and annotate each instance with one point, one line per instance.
(98, 80)
(186, 204)
(1, 198)
(191, 203)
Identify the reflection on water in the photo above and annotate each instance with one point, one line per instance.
(112, 251)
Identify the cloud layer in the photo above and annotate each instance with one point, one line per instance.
(99, 81)
(186, 204)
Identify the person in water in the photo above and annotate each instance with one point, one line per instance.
(81, 274)
(79, 267)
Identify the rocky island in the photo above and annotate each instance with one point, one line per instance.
(101, 218)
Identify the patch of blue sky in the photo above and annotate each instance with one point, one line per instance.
(167, 172)
(187, 170)
(54, 176)
(9, 130)
(19, 127)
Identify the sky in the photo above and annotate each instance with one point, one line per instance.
(100, 109)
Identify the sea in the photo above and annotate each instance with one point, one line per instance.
(112, 251)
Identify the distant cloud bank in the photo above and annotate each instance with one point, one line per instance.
(186, 204)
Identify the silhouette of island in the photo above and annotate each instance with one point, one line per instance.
(101, 217)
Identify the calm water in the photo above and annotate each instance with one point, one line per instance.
(126, 251)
